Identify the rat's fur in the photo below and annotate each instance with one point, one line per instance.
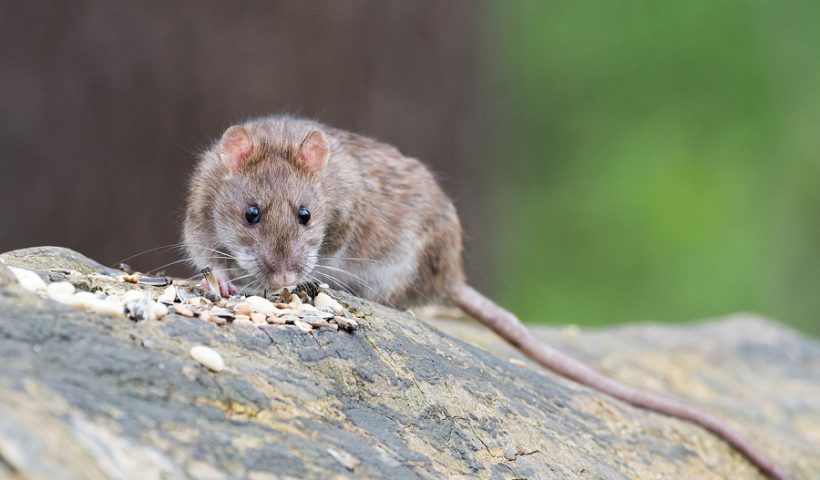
(380, 226)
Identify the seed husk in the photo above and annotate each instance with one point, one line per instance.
(154, 281)
(168, 295)
(210, 279)
(346, 323)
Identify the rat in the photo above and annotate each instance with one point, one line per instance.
(281, 200)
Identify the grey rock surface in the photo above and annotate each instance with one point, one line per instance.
(85, 395)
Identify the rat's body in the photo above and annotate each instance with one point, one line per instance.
(378, 224)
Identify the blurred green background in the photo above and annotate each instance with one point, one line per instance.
(660, 162)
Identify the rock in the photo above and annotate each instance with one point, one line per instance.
(84, 395)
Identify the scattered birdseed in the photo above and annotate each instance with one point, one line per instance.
(208, 357)
(102, 294)
(28, 279)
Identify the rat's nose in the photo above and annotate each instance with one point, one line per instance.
(286, 278)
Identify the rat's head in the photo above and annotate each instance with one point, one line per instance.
(269, 212)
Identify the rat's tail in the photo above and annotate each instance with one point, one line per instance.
(508, 327)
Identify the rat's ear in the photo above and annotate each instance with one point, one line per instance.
(314, 151)
(236, 146)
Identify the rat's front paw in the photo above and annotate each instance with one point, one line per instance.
(226, 288)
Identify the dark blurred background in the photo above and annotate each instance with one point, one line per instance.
(611, 162)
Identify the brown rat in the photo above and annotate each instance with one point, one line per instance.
(282, 200)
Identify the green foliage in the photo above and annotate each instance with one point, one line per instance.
(664, 159)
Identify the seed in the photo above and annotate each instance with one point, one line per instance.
(182, 294)
(154, 281)
(346, 323)
(133, 296)
(243, 308)
(28, 279)
(131, 278)
(275, 320)
(107, 308)
(258, 318)
(158, 311)
(324, 300)
(168, 295)
(210, 279)
(208, 357)
(183, 310)
(60, 291)
(221, 313)
(261, 305)
(316, 322)
(243, 320)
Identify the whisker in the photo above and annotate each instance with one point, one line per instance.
(150, 250)
(359, 279)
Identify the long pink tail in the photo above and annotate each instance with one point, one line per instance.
(508, 327)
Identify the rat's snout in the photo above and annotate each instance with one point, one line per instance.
(280, 274)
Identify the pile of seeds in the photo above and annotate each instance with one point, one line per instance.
(116, 295)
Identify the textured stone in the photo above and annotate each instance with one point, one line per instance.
(93, 396)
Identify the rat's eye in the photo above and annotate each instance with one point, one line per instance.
(304, 215)
(252, 214)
